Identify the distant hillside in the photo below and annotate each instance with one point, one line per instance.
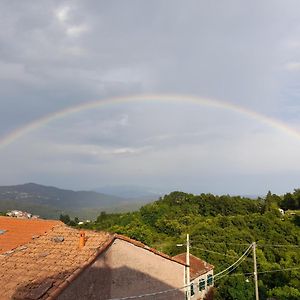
(131, 192)
(49, 201)
(221, 228)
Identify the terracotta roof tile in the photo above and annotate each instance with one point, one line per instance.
(42, 267)
(197, 266)
(20, 231)
(44, 260)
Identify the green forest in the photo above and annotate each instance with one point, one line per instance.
(221, 228)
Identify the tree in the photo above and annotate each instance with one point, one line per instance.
(288, 201)
(268, 202)
(285, 293)
(223, 225)
(65, 218)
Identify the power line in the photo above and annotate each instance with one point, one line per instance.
(278, 245)
(150, 294)
(219, 253)
(244, 244)
(235, 274)
(279, 270)
(232, 267)
(220, 243)
(230, 270)
(261, 272)
(236, 262)
(216, 277)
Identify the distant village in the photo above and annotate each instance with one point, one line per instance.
(21, 214)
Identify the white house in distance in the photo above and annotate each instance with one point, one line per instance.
(201, 275)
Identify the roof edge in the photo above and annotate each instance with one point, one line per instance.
(212, 266)
(60, 288)
(143, 246)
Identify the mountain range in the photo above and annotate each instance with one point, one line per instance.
(50, 202)
(131, 191)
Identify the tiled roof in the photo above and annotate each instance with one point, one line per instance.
(197, 266)
(45, 266)
(21, 231)
(42, 267)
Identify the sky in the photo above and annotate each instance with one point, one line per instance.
(55, 55)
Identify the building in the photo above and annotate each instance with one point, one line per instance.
(21, 214)
(43, 259)
(201, 275)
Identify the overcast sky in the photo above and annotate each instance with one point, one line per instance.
(57, 54)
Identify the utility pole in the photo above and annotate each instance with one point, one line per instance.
(188, 283)
(255, 270)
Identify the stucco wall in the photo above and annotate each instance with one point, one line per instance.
(199, 295)
(127, 270)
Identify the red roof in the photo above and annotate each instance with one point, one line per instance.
(197, 266)
(43, 266)
(17, 232)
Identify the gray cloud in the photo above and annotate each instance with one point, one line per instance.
(57, 54)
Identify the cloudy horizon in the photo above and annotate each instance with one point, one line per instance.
(60, 54)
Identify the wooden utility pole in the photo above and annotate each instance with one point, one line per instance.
(255, 270)
(188, 283)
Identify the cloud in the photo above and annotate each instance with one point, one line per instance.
(62, 13)
(76, 30)
(130, 151)
(292, 66)
(124, 120)
(56, 55)
(18, 73)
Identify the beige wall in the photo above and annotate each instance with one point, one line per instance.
(127, 270)
(200, 295)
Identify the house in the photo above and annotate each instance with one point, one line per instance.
(43, 259)
(201, 275)
(21, 214)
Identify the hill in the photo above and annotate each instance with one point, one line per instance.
(221, 228)
(130, 192)
(50, 202)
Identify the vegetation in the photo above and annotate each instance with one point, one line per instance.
(221, 227)
(50, 202)
(67, 220)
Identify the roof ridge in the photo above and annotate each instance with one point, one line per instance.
(31, 220)
(53, 295)
(153, 250)
(100, 243)
(21, 232)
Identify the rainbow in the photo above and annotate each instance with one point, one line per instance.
(213, 103)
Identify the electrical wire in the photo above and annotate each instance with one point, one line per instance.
(244, 244)
(236, 262)
(150, 294)
(216, 277)
(278, 245)
(278, 270)
(219, 253)
(228, 274)
(230, 271)
(220, 243)
(261, 272)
